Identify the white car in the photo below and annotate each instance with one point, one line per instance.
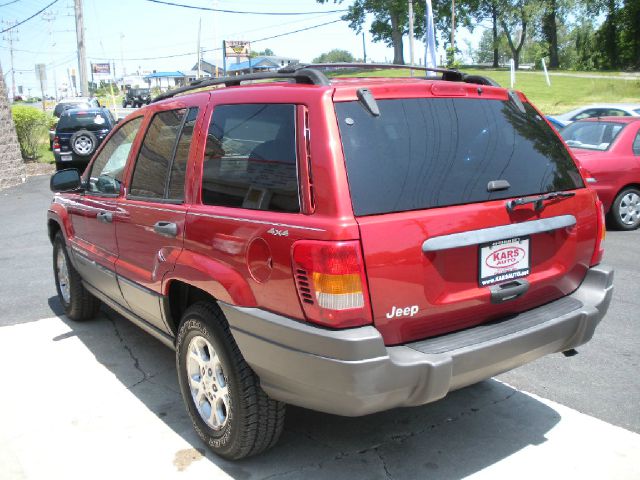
(599, 110)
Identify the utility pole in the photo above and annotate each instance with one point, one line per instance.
(199, 50)
(124, 70)
(364, 48)
(411, 34)
(82, 54)
(10, 39)
(49, 17)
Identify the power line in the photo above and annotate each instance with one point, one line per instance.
(9, 3)
(27, 19)
(219, 48)
(209, 9)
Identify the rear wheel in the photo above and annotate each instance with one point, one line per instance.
(625, 210)
(76, 300)
(229, 410)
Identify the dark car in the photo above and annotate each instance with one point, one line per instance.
(136, 97)
(78, 134)
(67, 104)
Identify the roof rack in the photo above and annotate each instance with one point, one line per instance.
(311, 74)
(301, 75)
(448, 74)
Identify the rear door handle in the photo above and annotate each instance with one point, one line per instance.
(105, 217)
(504, 292)
(166, 229)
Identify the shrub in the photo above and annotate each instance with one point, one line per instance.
(31, 127)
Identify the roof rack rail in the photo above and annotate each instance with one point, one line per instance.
(309, 73)
(448, 74)
(300, 75)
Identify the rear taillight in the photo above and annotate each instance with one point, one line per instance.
(598, 251)
(56, 143)
(331, 283)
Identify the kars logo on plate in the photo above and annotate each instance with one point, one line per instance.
(505, 257)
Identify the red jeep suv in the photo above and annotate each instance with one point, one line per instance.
(348, 245)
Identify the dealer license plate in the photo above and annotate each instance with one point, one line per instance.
(504, 260)
(65, 158)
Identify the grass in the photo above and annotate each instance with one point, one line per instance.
(44, 154)
(564, 94)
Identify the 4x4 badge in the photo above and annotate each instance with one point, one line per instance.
(278, 233)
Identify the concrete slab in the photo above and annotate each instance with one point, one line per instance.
(100, 399)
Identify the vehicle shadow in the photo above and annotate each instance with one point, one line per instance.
(464, 433)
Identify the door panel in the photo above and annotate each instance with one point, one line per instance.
(151, 226)
(94, 213)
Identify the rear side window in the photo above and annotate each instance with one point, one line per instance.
(592, 135)
(250, 158)
(161, 153)
(426, 153)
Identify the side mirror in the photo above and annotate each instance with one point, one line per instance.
(66, 181)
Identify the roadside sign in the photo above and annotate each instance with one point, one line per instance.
(237, 48)
(101, 68)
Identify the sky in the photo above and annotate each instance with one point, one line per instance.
(135, 34)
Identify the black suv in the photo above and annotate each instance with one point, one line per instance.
(78, 134)
(136, 97)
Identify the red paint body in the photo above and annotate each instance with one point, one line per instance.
(229, 253)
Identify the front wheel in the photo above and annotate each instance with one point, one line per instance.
(625, 210)
(229, 410)
(78, 303)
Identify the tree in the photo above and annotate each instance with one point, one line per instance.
(550, 31)
(267, 52)
(391, 19)
(335, 55)
(515, 19)
(483, 10)
(490, 50)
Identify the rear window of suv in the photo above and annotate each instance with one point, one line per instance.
(89, 121)
(427, 153)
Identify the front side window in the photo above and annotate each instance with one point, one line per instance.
(250, 158)
(591, 135)
(436, 152)
(108, 168)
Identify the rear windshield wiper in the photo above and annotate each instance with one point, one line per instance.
(538, 201)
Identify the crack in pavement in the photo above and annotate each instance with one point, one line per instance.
(397, 439)
(136, 362)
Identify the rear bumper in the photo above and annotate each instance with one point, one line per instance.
(351, 372)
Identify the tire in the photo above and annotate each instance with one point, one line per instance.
(124, 104)
(245, 420)
(625, 210)
(78, 303)
(83, 143)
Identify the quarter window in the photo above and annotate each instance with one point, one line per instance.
(108, 167)
(250, 158)
(636, 144)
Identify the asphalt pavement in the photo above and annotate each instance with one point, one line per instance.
(100, 398)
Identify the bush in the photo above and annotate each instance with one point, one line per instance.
(31, 127)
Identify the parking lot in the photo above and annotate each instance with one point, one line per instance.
(101, 398)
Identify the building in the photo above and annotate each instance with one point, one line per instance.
(210, 68)
(168, 80)
(259, 64)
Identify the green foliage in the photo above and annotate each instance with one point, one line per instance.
(31, 126)
(267, 52)
(335, 55)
